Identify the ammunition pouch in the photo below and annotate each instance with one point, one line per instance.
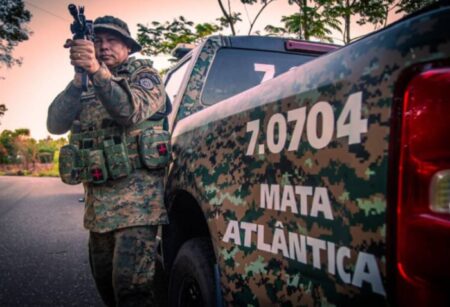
(70, 166)
(111, 153)
(117, 158)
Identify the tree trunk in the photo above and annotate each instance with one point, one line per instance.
(257, 16)
(227, 16)
(347, 23)
(305, 21)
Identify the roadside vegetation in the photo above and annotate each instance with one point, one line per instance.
(22, 155)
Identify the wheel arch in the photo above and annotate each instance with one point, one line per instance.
(186, 221)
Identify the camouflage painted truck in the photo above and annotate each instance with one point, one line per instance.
(327, 185)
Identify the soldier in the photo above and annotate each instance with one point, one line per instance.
(123, 214)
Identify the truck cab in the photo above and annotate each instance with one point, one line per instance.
(304, 174)
(217, 69)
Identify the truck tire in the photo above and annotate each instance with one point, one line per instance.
(192, 276)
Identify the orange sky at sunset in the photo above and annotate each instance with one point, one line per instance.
(28, 90)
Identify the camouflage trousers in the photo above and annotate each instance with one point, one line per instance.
(123, 265)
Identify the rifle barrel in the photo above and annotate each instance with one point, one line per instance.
(73, 10)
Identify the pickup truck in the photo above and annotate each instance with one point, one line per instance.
(309, 175)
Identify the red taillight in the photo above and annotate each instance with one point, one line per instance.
(423, 228)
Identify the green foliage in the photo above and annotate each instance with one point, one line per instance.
(49, 173)
(48, 147)
(368, 11)
(410, 6)
(205, 29)
(13, 18)
(317, 18)
(16, 147)
(230, 18)
(162, 38)
(313, 20)
(26, 148)
(8, 151)
(373, 12)
(21, 131)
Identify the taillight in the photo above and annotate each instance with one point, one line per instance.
(311, 47)
(423, 208)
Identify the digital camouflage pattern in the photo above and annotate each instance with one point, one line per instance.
(265, 206)
(69, 161)
(127, 96)
(134, 249)
(191, 97)
(117, 159)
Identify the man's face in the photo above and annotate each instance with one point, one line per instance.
(110, 49)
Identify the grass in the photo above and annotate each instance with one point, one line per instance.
(50, 173)
(39, 170)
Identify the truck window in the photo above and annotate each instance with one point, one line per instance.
(248, 68)
(174, 80)
(172, 85)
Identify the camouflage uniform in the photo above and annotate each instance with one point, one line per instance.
(121, 215)
(133, 262)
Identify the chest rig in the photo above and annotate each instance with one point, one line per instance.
(100, 150)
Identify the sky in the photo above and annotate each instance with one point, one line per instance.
(28, 90)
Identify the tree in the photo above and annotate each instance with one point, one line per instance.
(410, 6)
(26, 150)
(13, 20)
(8, 151)
(374, 12)
(46, 148)
(366, 11)
(18, 147)
(21, 132)
(162, 38)
(313, 19)
(264, 4)
(15, 145)
(370, 11)
(230, 18)
(3, 154)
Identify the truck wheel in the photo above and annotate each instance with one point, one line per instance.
(192, 276)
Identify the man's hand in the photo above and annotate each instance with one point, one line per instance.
(82, 54)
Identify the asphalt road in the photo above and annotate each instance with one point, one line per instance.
(43, 245)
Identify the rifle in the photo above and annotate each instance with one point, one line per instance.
(81, 29)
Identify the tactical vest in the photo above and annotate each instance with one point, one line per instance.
(109, 152)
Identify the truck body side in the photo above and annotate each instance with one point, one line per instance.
(295, 181)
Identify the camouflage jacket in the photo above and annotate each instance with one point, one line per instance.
(127, 95)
